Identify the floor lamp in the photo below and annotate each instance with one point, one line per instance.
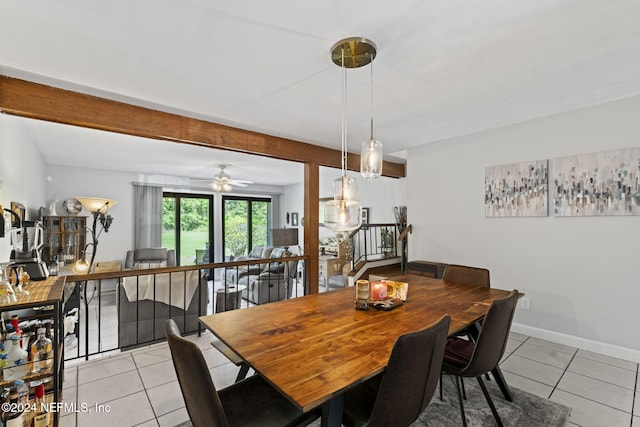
(102, 220)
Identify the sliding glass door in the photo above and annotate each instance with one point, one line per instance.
(246, 223)
(187, 226)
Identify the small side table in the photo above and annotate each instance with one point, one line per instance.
(228, 298)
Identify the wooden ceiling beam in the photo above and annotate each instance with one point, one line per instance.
(38, 101)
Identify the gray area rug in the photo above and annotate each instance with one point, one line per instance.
(526, 409)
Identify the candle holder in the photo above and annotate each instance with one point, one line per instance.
(378, 291)
(362, 295)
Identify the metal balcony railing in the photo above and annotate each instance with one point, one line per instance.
(119, 310)
(373, 242)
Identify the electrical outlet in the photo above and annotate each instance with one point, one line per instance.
(524, 303)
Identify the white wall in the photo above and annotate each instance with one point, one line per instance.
(580, 274)
(22, 174)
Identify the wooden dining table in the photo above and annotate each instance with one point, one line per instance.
(316, 347)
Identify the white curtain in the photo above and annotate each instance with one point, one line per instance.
(147, 216)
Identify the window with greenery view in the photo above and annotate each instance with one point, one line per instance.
(187, 226)
(247, 222)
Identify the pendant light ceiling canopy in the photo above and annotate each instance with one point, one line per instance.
(344, 212)
(358, 52)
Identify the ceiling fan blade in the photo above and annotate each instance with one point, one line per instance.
(222, 179)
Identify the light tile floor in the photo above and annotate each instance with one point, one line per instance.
(139, 387)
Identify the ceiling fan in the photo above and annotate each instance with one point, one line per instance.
(223, 182)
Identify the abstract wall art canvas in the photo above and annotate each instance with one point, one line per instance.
(597, 184)
(517, 189)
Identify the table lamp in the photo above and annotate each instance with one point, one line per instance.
(284, 237)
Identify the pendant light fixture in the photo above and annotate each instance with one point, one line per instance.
(371, 152)
(344, 212)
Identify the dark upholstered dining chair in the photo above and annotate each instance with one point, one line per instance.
(422, 268)
(466, 275)
(472, 276)
(402, 392)
(463, 358)
(251, 402)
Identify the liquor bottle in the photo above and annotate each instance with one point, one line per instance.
(33, 335)
(42, 352)
(15, 321)
(48, 331)
(16, 357)
(5, 291)
(41, 416)
(15, 352)
(16, 417)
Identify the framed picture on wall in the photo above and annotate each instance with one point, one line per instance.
(294, 219)
(516, 189)
(365, 215)
(596, 184)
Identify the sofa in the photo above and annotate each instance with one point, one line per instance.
(263, 282)
(145, 302)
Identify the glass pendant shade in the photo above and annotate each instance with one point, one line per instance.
(342, 215)
(371, 159)
(345, 188)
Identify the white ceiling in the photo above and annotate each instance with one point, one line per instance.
(444, 67)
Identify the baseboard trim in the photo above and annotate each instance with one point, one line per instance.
(582, 343)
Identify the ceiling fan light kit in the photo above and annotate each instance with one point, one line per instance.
(222, 182)
(344, 212)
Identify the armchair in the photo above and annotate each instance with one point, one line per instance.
(140, 259)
